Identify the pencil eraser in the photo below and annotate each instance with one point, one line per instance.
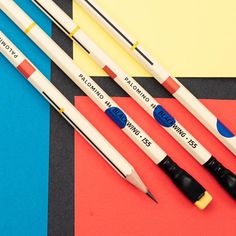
(204, 201)
(189, 186)
(224, 176)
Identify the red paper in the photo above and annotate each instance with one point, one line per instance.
(105, 205)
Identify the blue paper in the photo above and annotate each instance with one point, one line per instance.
(24, 137)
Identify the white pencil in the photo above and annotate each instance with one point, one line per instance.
(71, 114)
(186, 183)
(140, 95)
(182, 94)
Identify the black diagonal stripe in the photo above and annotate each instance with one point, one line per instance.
(144, 56)
(59, 24)
(49, 14)
(119, 32)
(51, 101)
(61, 176)
(202, 88)
(113, 26)
(93, 144)
(85, 136)
(81, 45)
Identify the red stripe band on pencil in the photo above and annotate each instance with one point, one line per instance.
(109, 72)
(26, 69)
(171, 85)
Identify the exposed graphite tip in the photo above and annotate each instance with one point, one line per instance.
(151, 196)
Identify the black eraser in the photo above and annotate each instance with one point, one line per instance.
(224, 176)
(193, 190)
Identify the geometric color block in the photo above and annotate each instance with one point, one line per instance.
(24, 136)
(106, 205)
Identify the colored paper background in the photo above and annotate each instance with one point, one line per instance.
(189, 38)
(25, 134)
(24, 137)
(107, 205)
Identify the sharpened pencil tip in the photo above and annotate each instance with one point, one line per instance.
(151, 196)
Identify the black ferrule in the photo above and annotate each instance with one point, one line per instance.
(225, 177)
(184, 181)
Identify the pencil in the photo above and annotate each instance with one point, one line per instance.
(184, 181)
(181, 93)
(139, 94)
(71, 114)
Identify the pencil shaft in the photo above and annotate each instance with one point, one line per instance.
(84, 82)
(64, 107)
(153, 108)
(182, 94)
(189, 186)
(140, 95)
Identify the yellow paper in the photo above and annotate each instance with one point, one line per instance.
(190, 38)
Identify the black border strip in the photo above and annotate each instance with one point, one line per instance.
(202, 88)
(61, 176)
